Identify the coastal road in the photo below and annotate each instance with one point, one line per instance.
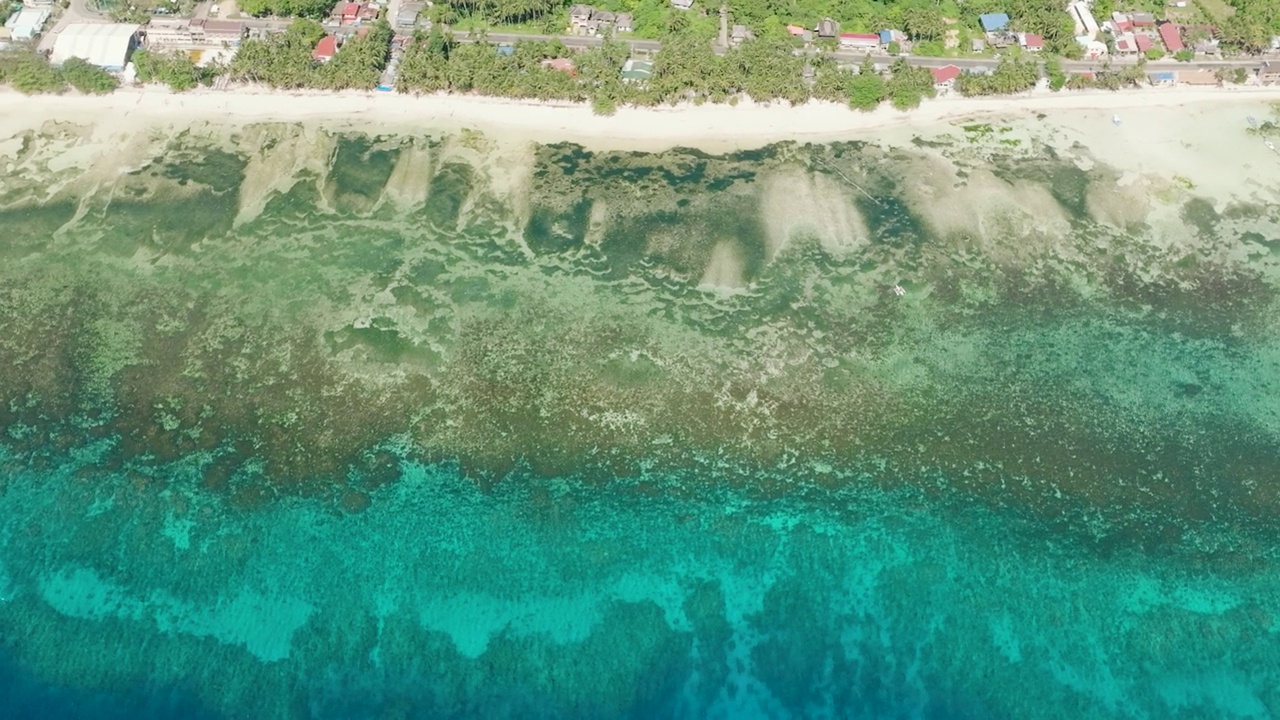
(582, 42)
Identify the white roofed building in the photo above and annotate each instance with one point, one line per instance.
(106, 45)
(27, 22)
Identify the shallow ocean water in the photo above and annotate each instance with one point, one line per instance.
(351, 427)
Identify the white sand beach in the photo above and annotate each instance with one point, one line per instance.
(1175, 132)
(705, 126)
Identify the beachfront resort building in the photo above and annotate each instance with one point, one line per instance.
(859, 41)
(588, 20)
(325, 49)
(1086, 27)
(1132, 43)
(1269, 73)
(1031, 42)
(107, 45)
(183, 34)
(27, 23)
(1171, 35)
(407, 16)
(945, 77)
(636, 71)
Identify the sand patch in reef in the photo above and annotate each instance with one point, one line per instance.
(982, 206)
(288, 151)
(1120, 202)
(795, 202)
(726, 267)
(410, 182)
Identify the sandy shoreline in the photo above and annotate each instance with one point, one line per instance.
(710, 127)
(1194, 138)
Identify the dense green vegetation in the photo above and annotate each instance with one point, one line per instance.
(1012, 75)
(30, 73)
(1110, 79)
(436, 62)
(175, 69)
(314, 9)
(284, 60)
(1250, 28)
(506, 10)
(686, 69)
(88, 79)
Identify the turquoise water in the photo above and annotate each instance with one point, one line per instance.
(544, 598)
(362, 427)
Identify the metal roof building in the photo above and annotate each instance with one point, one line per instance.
(106, 45)
(27, 22)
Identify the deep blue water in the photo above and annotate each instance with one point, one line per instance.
(545, 598)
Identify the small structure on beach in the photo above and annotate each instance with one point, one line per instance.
(945, 76)
(325, 49)
(564, 65)
(1198, 77)
(636, 71)
(1269, 73)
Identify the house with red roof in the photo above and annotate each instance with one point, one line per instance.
(1144, 42)
(945, 75)
(351, 12)
(854, 41)
(1172, 37)
(1031, 42)
(325, 49)
(564, 65)
(796, 31)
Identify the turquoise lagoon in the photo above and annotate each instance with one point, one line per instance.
(300, 422)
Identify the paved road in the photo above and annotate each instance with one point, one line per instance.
(581, 41)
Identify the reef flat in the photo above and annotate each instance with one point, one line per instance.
(865, 427)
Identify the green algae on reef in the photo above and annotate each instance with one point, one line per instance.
(286, 309)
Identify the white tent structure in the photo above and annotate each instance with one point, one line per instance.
(106, 45)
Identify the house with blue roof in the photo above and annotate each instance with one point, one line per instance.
(994, 22)
(892, 36)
